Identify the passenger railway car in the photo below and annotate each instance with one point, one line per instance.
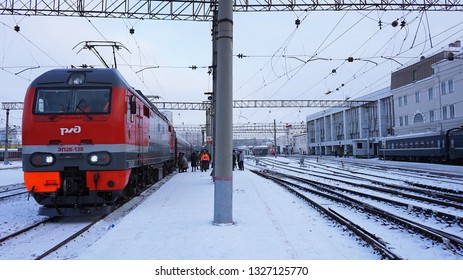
(13, 154)
(90, 141)
(455, 153)
(440, 147)
(261, 150)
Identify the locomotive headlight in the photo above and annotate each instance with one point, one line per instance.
(42, 159)
(49, 159)
(93, 159)
(99, 158)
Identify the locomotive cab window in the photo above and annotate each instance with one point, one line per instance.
(72, 101)
(131, 108)
(92, 100)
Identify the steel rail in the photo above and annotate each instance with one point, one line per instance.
(368, 237)
(426, 231)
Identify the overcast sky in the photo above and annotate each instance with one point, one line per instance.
(280, 60)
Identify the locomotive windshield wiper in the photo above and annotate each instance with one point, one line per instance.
(78, 107)
(83, 107)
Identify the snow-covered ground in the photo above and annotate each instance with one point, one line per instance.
(11, 173)
(173, 228)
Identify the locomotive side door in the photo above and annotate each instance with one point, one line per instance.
(139, 134)
(135, 131)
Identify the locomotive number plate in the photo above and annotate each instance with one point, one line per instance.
(70, 149)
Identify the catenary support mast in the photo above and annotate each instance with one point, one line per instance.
(223, 190)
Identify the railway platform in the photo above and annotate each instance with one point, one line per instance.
(176, 223)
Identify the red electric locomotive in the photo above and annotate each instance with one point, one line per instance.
(90, 140)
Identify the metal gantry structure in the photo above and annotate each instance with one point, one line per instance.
(207, 105)
(239, 130)
(196, 133)
(203, 10)
(12, 105)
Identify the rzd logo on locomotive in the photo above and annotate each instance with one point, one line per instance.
(65, 130)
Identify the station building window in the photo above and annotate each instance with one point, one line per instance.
(432, 117)
(418, 118)
(452, 111)
(430, 93)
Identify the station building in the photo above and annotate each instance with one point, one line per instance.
(424, 97)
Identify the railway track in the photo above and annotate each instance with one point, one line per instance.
(429, 174)
(37, 238)
(372, 211)
(330, 166)
(444, 204)
(441, 196)
(12, 190)
(45, 237)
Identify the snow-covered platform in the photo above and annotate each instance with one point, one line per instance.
(176, 223)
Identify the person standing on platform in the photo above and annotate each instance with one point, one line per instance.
(241, 160)
(234, 160)
(205, 161)
(194, 161)
(180, 162)
(184, 163)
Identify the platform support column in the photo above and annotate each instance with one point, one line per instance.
(223, 190)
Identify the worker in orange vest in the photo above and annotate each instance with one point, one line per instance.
(205, 161)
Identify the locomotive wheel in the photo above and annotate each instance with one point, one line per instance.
(130, 189)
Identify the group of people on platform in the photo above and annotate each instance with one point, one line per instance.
(201, 159)
(238, 158)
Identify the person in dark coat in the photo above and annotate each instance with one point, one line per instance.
(180, 162)
(194, 161)
(234, 159)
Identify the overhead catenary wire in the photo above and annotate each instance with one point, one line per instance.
(380, 58)
(315, 54)
(21, 35)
